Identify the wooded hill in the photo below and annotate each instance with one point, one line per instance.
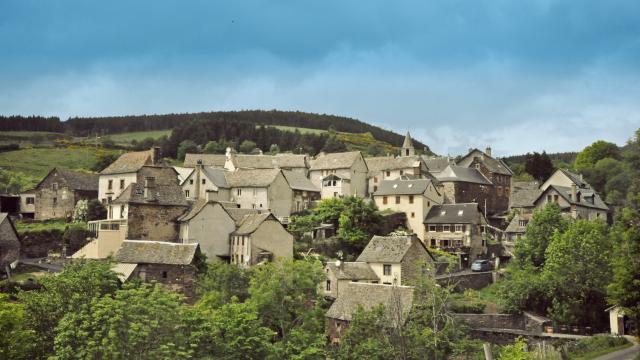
(85, 126)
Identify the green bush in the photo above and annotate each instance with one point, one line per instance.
(594, 344)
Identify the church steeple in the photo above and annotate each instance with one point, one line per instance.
(407, 146)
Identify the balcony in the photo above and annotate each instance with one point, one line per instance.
(97, 226)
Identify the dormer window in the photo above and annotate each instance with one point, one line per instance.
(443, 212)
(460, 212)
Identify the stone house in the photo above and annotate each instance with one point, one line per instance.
(261, 189)
(9, 244)
(398, 260)
(124, 171)
(173, 265)
(28, 204)
(258, 238)
(413, 197)
(339, 174)
(57, 194)
(465, 185)
(574, 196)
(206, 182)
(517, 227)
(392, 168)
(397, 302)
(340, 273)
(497, 172)
(305, 194)
(457, 229)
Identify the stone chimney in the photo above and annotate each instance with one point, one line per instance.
(156, 155)
(574, 192)
(198, 170)
(488, 151)
(150, 188)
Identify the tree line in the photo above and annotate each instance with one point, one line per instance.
(31, 123)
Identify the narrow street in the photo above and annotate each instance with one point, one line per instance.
(624, 354)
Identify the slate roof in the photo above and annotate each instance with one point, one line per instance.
(342, 160)
(514, 225)
(575, 178)
(494, 165)
(402, 187)
(238, 214)
(462, 174)
(251, 177)
(389, 249)
(217, 160)
(288, 161)
(565, 192)
(436, 164)
(251, 222)
(123, 270)
(524, 194)
(383, 163)
(468, 213)
(156, 252)
(216, 176)
(352, 271)
(76, 180)
(9, 241)
(163, 195)
(297, 181)
(129, 162)
(367, 296)
(194, 210)
(408, 142)
(183, 173)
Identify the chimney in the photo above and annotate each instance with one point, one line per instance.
(156, 155)
(198, 170)
(488, 151)
(574, 192)
(149, 188)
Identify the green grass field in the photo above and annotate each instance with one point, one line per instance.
(126, 138)
(302, 130)
(37, 162)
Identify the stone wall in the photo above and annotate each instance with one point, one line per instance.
(467, 280)
(492, 321)
(180, 278)
(413, 263)
(153, 222)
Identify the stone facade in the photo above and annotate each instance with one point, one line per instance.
(56, 197)
(154, 222)
(498, 194)
(179, 278)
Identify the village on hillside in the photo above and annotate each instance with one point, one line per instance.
(455, 222)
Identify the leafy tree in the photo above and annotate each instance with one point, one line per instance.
(523, 288)
(375, 150)
(367, 337)
(140, 321)
(334, 145)
(357, 223)
(65, 293)
(591, 154)
(577, 270)
(187, 147)
(274, 149)
(223, 282)
(544, 223)
(328, 211)
(248, 146)
(539, 166)
(16, 340)
(624, 289)
(12, 182)
(95, 210)
(75, 236)
(80, 211)
(517, 351)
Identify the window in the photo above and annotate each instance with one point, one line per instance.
(121, 211)
(428, 203)
(55, 201)
(374, 281)
(375, 179)
(555, 198)
(548, 198)
(186, 193)
(445, 228)
(522, 223)
(375, 188)
(388, 173)
(243, 241)
(109, 199)
(30, 200)
(401, 172)
(239, 192)
(433, 242)
(410, 199)
(164, 275)
(459, 228)
(384, 200)
(499, 190)
(110, 185)
(204, 181)
(242, 258)
(413, 214)
(327, 287)
(432, 228)
(190, 181)
(386, 269)
(121, 184)
(397, 199)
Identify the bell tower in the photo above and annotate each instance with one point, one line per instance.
(407, 146)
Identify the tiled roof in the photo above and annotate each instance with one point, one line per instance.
(514, 225)
(155, 252)
(217, 160)
(162, 195)
(352, 271)
(575, 178)
(566, 191)
(251, 222)
(454, 214)
(329, 161)
(216, 176)
(462, 174)
(387, 248)
(123, 270)
(395, 299)
(403, 187)
(383, 163)
(129, 162)
(251, 177)
(297, 181)
(436, 164)
(238, 214)
(289, 161)
(80, 180)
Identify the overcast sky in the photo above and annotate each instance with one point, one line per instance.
(517, 75)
